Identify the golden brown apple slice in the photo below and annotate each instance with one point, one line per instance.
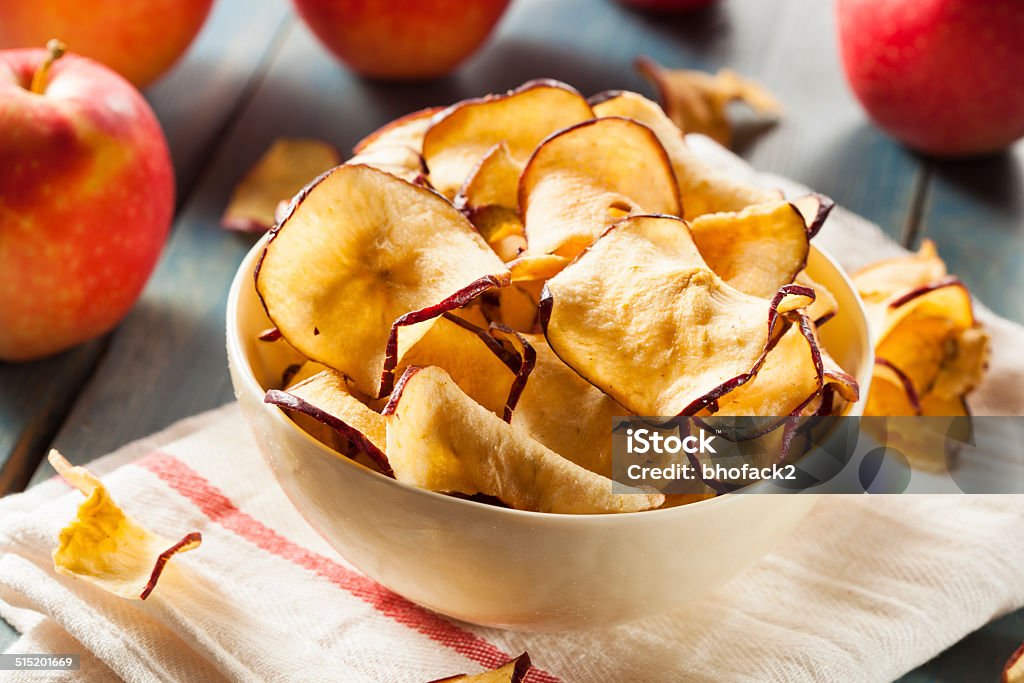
(513, 671)
(361, 254)
(105, 547)
(406, 130)
(479, 364)
(756, 250)
(891, 394)
(442, 440)
(461, 135)
(398, 160)
(283, 170)
(584, 178)
(643, 318)
(791, 376)
(566, 413)
(494, 181)
(964, 364)
(698, 102)
(326, 399)
(882, 279)
(702, 188)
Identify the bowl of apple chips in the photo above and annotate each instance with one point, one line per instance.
(432, 343)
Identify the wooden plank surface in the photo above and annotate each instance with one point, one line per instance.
(194, 102)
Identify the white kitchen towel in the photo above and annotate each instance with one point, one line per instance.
(865, 589)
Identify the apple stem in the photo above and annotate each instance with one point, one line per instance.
(55, 50)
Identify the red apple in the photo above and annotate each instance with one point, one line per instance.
(86, 198)
(668, 5)
(140, 39)
(402, 39)
(945, 77)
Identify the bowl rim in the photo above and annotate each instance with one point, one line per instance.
(240, 362)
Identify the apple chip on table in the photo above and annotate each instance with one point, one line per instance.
(105, 547)
(560, 263)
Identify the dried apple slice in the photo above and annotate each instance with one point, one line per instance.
(892, 393)
(882, 279)
(398, 160)
(583, 179)
(282, 171)
(461, 135)
(756, 250)
(532, 267)
(494, 181)
(361, 254)
(105, 547)
(566, 413)
(512, 671)
(702, 188)
(326, 398)
(643, 318)
(442, 440)
(791, 376)
(478, 363)
(964, 364)
(697, 101)
(406, 130)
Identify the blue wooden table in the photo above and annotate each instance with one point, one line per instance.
(256, 74)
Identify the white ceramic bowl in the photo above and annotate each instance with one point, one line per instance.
(509, 568)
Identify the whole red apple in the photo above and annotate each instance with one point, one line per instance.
(402, 39)
(945, 77)
(668, 5)
(139, 39)
(86, 198)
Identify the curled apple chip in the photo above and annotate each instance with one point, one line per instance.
(440, 439)
(642, 317)
(702, 188)
(698, 101)
(512, 671)
(326, 399)
(584, 178)
(892, 393)
(825, 306)
(461, 135)
(282, 171)
(494, 181)
(398, 160)
(756, 250)
(566, 413)
(405, 131)
(882, 279)
(361, 254)
(484, 369)
(107, 548)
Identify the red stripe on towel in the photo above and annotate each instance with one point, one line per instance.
(220, 509)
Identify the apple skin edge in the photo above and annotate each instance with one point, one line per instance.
(73, 268)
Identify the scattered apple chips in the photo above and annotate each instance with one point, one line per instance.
(469, 316)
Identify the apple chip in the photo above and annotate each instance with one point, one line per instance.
(756, 250)
(566, 413)
(642, 317)
(825, 305)
(283, 170)
(702, 188)
(398, 160)
(407, 131)
(107, 548)
(584, 178)
(532, 267)
(494, 181)
(698, 101)
(440, 439)
(892, 393)
(791, 376)
(461, 135)
(483, 368)
(361, 254)
(326, 399)
(512, 671)
(884, 278)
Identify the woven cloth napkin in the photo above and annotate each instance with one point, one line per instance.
(865, 589)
